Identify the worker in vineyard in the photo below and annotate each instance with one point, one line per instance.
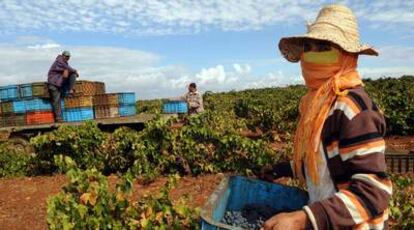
(61, 80)
(193, 98)
(338, 144)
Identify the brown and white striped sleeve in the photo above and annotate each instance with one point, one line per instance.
(363, 202)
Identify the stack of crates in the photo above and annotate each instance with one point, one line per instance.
(25, 104)
(114, 105)
(37, 103)
(77, 108)
(30, 104)
(80, 107)
(12, 110)
(38, 111)
(126, 103)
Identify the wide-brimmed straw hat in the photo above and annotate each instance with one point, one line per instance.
(336, 24)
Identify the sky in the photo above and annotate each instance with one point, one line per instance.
(156, 48)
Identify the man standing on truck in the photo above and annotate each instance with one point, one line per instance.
(61, 80)
(338, 146)
(193, 98)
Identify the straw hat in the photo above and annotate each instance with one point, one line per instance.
(336, 24)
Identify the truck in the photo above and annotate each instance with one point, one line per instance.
(19, 136)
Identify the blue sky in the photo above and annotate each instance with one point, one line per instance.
(155, 48)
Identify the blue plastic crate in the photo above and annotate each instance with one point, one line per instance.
(10, 92)
(233, 193)
(26, 90)
(126, 98)
(128, 110)
(78, 114)
(19, 106)
(175, 107)
(38, 104)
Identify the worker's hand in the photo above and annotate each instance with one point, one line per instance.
(65, 73)
(193, 105)
(284, 221)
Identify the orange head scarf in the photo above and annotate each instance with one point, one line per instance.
(324, 82)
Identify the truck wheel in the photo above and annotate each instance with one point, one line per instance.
(21, 144)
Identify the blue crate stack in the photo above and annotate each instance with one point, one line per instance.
(126, 103)
(16, 115)
(78, 114)
(25, 98)
(83, 112)
(175, 107)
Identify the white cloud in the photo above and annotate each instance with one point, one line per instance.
(128, 70)
(109, 64)
(32, 40)
(393, 61)
(124, 69)
(44, 46)
(156, 17)
(377, 72)
(385, 11)
(214, 75)
(397, 54)
(240, 76)
(242, 69)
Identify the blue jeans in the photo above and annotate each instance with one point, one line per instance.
(57, 93)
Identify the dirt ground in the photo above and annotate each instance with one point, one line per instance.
(23, 200)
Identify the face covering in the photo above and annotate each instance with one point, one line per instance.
(327, 75)
(318, 67)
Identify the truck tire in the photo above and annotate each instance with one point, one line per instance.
(21, 144)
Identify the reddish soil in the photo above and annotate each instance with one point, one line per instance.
(23, 200)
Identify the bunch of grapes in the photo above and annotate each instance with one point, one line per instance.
(252, 216)
(235, 218)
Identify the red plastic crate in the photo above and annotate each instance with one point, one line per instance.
(39, 118)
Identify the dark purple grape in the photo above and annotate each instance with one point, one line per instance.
(251, 217)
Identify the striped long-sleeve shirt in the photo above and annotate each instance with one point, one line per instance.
(354, 188)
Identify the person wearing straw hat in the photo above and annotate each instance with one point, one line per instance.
(338, 145)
